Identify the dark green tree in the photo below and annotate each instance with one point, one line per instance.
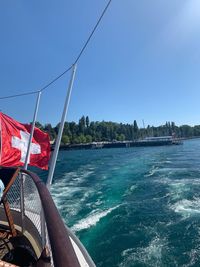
(135, 130)
(50, 130)
(65, 139)
(87, 121)
(81, 125)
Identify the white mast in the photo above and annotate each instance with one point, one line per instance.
(58, 139)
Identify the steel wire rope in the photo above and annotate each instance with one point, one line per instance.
(76, 59)
(22, 94)
(92, 33)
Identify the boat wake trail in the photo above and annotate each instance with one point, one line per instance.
(152, 171)
(150, 255)
(138, 207)
(187, 208)
(93, 218)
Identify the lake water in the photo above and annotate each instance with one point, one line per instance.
(133, 206)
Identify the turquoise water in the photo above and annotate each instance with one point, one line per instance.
(133, 206)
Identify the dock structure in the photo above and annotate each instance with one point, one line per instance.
(148, 141)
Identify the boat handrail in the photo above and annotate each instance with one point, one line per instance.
(61, 246)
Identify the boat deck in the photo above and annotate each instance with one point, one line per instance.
(15, 251)
(5, 244)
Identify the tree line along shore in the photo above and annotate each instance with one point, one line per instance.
(86, 131)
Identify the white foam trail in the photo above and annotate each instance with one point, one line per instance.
(178, 188)
(178, 182)
(171, 170)
(69, 195)
(152, 172)
(163, 161)
(150, 255)
(66, 192)
(194, 257)
(130, 190)
(133, 187)
(93, 218)
(187, 208)
(77, 176)
(164, 170)
(98, 202)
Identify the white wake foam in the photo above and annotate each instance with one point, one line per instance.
(70, 194)
(130, 190)
(152, 171)
(150, 255)
(187, 208)
(93, 218)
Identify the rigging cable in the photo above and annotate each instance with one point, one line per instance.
(11, 96)
(93, 31)
(76, 59)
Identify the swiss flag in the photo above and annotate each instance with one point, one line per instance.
(14, 144)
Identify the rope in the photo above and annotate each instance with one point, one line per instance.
(76, 59)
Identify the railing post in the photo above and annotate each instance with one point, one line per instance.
(43, 227)
(21, 176)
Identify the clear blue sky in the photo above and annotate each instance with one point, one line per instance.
(142, 63)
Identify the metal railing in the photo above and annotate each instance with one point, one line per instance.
(61, 247)
(29, 197)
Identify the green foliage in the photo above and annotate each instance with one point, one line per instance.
(120, 137)
(196, 130)
(95, 131)
(88, 138)
(82, 139)
(87, 121)
(50, 130)
(65, 139)
(82, 125)
(186, 130)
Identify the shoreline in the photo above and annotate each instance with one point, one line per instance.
(123, 144)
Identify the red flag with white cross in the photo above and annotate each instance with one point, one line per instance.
(14, 144)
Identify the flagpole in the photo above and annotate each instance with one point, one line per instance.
(32, 131)
(58, 139)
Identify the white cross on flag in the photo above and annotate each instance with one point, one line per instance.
(14, 144)
(22, 145)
